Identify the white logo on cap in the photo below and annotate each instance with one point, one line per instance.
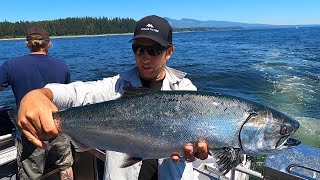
(149, 27)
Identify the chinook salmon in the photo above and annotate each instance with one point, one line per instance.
(152, 125)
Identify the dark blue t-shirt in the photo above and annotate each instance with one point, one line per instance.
(31, 72)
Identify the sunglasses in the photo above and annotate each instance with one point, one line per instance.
(151, 50)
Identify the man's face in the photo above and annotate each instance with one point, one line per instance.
(151, 67)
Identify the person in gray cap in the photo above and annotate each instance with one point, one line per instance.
(152, 47)
(25, 74)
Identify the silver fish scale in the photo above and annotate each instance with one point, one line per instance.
(155, 125)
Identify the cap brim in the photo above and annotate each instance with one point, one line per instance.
(152, 37)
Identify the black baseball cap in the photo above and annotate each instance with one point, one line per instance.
(155, 28)
(37, 33)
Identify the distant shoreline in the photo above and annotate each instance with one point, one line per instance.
(75, 36)
(182, 30)
(97, 35)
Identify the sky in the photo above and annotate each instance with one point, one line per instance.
(276, 12)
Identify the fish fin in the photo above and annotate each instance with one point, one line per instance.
(129, 161)
(78, 147)
(131, 90)
(227, 158)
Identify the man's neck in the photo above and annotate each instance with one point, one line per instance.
(153, 84)
(44, 53)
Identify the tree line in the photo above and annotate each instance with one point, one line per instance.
(70, 26)
(77, 26)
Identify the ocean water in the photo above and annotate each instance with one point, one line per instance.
(276, 67)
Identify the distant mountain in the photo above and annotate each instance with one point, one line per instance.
(191, 23)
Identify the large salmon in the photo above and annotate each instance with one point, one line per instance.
(152, 125)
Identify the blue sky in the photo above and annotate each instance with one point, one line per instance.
(280, 12)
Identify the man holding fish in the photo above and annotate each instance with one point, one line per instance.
(153, 47)
(146, 124)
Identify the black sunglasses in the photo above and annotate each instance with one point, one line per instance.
(151, 50)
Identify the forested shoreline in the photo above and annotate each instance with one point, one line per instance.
(70, 26)
(78, 26)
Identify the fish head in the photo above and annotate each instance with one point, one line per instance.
(266, 131)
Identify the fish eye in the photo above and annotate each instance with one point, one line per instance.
(284, 130)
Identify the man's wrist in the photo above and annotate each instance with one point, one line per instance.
(47, 92)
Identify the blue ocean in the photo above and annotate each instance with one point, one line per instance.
(279, 68)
